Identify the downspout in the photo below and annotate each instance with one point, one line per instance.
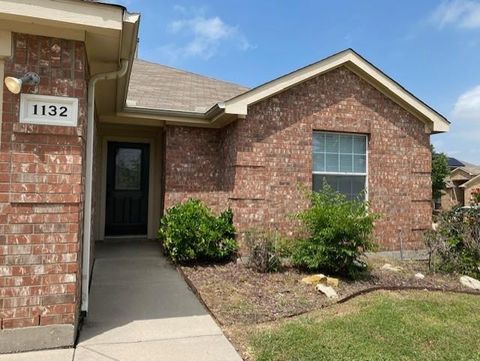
(87, 214)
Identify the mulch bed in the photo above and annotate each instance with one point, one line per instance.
(237, 295)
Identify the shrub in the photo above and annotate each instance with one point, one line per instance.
(455, 244)
(190, 231)
(264, 253)
(339, 233)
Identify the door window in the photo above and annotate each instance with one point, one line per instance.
(128, 169)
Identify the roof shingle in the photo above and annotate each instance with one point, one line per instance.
(161, 87)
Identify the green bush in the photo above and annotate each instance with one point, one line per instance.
(455, 244)
(339, 233)
(190, 231)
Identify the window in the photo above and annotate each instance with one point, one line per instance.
(128, 169)
(340, 159)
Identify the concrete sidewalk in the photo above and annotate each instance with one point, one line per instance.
(141, 309)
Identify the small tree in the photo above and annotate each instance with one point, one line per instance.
(439, 172)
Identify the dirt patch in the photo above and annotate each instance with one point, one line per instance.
(238, 296)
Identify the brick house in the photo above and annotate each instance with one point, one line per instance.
(104, 142)
(461, 183)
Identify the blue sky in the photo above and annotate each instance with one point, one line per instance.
(431, 47)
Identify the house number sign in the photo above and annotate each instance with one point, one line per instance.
(48, 110)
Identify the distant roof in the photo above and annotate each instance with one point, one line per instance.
(455, 163)
(470, 168)
(156, 86)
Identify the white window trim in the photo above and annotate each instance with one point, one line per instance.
(346, 173)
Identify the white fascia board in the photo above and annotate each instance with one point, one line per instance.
(55, 12)
(239, 104)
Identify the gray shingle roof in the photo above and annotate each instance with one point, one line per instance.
(156, 86)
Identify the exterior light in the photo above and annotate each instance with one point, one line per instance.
(14, 85)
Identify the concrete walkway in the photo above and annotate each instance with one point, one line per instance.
(141, 309)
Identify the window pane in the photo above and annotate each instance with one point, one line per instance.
(358, 185)
(331, 142)
(318, 142)
(345, 186)
(359, 144)
(331, 163)
(346, 144)
(318, 162)
(359, 163)
(351, 186)
(346, 163)
(128, 169)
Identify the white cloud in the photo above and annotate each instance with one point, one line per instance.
(463, 137)
(467, 107)
(202, 36)
(461, 13)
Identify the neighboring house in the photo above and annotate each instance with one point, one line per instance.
(124, 139)
(464, 178)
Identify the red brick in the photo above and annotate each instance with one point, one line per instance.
(41, 185)
(19, 322)
(255, 165)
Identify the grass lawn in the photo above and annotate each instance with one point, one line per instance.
(383, 326)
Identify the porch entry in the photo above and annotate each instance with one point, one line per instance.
(126, 210)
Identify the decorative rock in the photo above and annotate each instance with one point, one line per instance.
(321, 278)
(389, 267)
(419, 276)
(314, 279)
(327, 291)
(470, 282)
(331, 281)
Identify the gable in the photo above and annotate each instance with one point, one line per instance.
(474, 182)
(358, 65)
(459, 174)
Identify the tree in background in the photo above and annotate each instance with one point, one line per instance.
(439, 172)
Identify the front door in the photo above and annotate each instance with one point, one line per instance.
(127, 189)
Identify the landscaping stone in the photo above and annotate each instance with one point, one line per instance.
(314, 279)
(321, 278)
(327, 291)
(332, 281)
(470, 282)
(389, 267)
(419, 276)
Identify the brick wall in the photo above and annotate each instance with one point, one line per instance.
(255, 165)
(41, 184)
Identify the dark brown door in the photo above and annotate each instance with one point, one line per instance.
(127, 189)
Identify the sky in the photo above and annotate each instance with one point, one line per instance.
(431, 47)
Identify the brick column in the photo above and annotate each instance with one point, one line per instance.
(41, 199)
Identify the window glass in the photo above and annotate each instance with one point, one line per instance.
(331, 162)
(359, 163)
(319, 143)
(351, 186)
(331, 143)
(318, 162)
(128, 169)
(340, 160)
(346, 163)
(346, 144)
(359, 144)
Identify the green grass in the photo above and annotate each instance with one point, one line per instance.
(380, 326)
